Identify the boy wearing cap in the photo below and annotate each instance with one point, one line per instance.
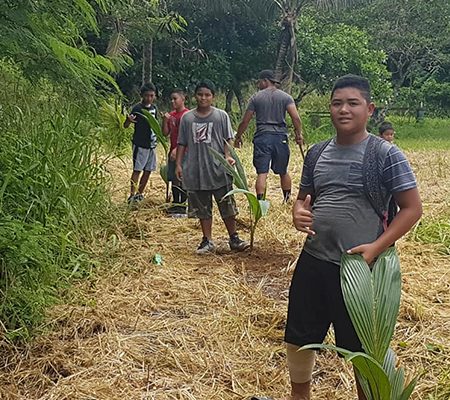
(271, 143)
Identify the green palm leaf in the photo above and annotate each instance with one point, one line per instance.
(154, 125)
(163, 171)
(372, 299)
(387, 290)
(378, 385)
(264, 204)
(389, 365)
(406, 394)
(371, 370)
(236, 177)
(358, 295)
(239, 167)
(258, 208)
(253, 202)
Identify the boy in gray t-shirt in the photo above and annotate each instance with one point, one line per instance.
(341, 219)
(202, 175)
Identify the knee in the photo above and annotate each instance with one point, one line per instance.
(301, 363)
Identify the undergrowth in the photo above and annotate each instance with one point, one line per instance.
(53, 198)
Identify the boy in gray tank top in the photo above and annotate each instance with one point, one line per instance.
(341, 219)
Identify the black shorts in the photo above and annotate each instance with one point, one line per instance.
(316, 302)
(271, 150)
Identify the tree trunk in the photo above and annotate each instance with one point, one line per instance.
(284, 67)
(240, 99)
(229, 100)
(282, 51)
(382, 114)
(147, 62)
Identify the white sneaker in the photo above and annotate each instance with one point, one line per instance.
(206, 246)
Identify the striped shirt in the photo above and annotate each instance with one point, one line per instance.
(342, 214)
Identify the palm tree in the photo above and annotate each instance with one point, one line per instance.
(139, 24)
(288, 12)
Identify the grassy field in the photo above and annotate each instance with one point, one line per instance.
(212, 327)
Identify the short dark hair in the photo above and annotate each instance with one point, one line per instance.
(179, 91)
(205, 83)
(356, 82)
(385, 126)
(148, 87)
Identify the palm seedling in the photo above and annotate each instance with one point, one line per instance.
(258, 208)
(373, 299)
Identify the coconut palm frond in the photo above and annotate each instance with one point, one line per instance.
(118, 45)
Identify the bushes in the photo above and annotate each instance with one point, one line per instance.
(52, 197)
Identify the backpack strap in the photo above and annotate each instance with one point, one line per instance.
(372, 182)
(311, 160)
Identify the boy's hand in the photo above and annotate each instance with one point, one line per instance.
(302, 216)
(166, 117)
(299, 139)
(173, 154)
(238, 142)
(231, 161)
(131, 118)
(367, 251)
(179, 173)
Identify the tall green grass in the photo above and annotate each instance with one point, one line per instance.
(53, 197)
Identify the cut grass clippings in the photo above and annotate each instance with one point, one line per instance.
(203, 328)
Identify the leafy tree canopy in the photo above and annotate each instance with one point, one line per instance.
(327, 51)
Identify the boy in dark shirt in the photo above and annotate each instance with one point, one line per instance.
(144, 142)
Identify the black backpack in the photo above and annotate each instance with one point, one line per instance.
(371, 177)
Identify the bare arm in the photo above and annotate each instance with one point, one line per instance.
(178, 169)
(242, 128)
(228, 156)
(131, 119)
(410, 212)
(297, 121)
(165, 124)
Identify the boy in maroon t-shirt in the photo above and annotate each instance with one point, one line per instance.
(171, 125)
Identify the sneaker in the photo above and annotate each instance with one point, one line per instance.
(139, 197)
(238, 244)
(176, 209)
(206, 246)
(131, 199)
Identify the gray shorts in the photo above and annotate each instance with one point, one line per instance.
(144, 159)
(200, 203)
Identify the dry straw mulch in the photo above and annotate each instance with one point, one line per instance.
(212, 327)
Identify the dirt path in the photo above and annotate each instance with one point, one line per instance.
(212, 327)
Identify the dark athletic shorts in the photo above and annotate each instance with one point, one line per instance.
(315, 302)
(271, 150)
